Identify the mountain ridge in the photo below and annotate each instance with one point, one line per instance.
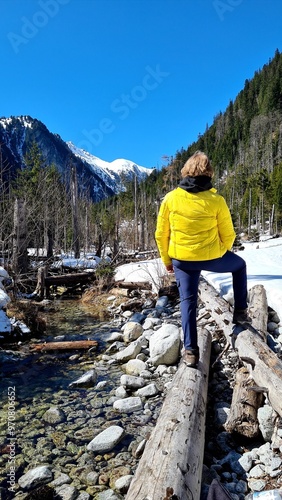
(95, 176)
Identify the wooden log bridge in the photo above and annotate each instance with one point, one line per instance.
(44, 282)
(171, 464)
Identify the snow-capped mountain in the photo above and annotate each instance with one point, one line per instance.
(96, 177)
(114, 173)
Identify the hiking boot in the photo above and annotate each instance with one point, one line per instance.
(191, 357)
(241, 316)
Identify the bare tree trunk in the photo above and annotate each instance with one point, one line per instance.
(142, 242)
(19, 259)
(250, 213)
(271, 220)
(116, 238)
(74, 196)
(136, 243)
(50, 244)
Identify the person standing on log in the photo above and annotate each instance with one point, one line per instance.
(195, 232)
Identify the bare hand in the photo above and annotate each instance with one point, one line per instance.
(169, 269)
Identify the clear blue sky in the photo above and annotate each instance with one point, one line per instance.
(134, 79)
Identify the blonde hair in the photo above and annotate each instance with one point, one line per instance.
(197, 164)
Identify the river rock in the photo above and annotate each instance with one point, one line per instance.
(36, 476)
(151, 323)
(138, 317)
(148, 391)
(162, 301)
(135, 367)
(122, 484)
(132, 331)
(120, 392)
(131, 382)
(266, 417)
(130, 352)
(164, 345)
(127, 314)
(66, 492)
(271, 327)
(257, 471)
(140, 448)
(128, 405)
(60, 480)
(246, 461)
(54, 415)
(83, 496)
(108, 495)
(106, 440)
(92, 478)
(113, 337)
(89, 379)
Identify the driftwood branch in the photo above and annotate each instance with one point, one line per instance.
(72, 344)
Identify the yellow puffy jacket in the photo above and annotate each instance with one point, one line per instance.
(193, 226)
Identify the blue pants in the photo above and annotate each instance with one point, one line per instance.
(187, 274)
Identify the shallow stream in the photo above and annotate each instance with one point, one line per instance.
(37, 373)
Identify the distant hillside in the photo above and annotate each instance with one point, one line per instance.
(249, 132)
(245, 146)
(98, 178)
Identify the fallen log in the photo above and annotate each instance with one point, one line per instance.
(44, 282)
(173, 457)
(67, 345)
(132, 304)
(242, 418)
(265, 366)
(247, 397)
(258, 309)
(142, 285)
(68, 279)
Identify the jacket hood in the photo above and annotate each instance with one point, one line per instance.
(196, 184)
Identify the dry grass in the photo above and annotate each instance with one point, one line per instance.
(98, 303)
(29, 313)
